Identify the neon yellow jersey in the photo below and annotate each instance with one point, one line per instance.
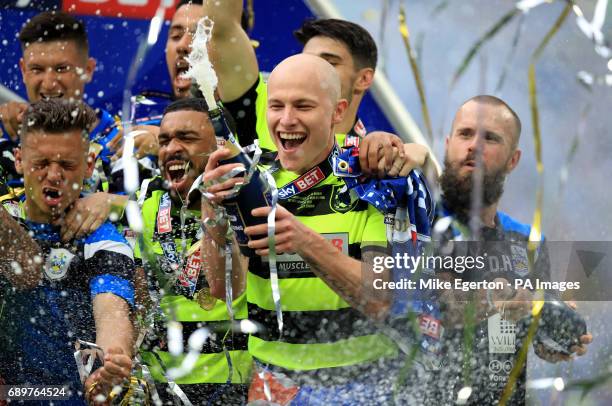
(212, 366)
(321, 330)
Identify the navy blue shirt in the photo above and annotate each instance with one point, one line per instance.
(39, 326)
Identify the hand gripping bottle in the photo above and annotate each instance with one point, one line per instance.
(255, 193)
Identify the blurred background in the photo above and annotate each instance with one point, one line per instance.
(574, 93)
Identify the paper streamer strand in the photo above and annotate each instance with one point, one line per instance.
(486, 37)
(251, 11)
(403, 27)
(536, 313)
(510, 56)
(272, 251)
(536, 226)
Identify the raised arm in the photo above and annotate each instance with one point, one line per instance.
(231, 51)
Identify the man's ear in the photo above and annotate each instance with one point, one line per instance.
(341, 107)
(514, 160)
(18, 160)
(91, 164)
(22, 68)
(90, 67)
(365, 78)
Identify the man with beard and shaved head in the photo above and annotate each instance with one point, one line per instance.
(481, 150)
(483, 144)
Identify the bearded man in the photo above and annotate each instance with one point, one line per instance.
(481, 150)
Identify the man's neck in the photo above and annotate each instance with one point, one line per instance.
(320, 158)
(488, 215)
(346, 125)
(486, 218)
(195, 202)
(36, 216)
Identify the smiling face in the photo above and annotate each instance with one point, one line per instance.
(186, 139)
(55, 69)
(180, 35)
(303, 108)
(53, 166)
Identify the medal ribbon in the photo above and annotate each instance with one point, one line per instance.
(163, 233)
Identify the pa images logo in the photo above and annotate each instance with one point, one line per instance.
(341, 200)
(57, 263)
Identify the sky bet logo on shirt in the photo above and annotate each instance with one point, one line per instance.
(306, 181)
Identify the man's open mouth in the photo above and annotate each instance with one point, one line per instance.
(52, 196)
(291, 140)
(48, 96)
(180, 80)
(177, 170)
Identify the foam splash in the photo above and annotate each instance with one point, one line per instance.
(200, 68)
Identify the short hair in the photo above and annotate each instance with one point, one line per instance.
(188, 104)
(56, 116)
(496, 101)
(54, 26)
(359, 42)
(181, 3)
(199, 104)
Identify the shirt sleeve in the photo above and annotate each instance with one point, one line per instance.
(249, 114)
(244, 113)
(110, 260)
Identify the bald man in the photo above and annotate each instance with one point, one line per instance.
(325, 243)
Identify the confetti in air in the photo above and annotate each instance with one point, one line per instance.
(200, 68)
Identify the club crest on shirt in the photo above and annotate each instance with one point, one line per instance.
(341, 200)
(520, 262)
(57, 264)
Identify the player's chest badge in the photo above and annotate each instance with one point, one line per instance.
(57, 264)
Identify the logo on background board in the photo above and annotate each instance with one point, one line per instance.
(144, 9)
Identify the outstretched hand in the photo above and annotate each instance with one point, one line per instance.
(117, 367)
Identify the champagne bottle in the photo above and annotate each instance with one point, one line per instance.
(252, 195)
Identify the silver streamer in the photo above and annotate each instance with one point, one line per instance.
(85, 355)
(272, 250)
